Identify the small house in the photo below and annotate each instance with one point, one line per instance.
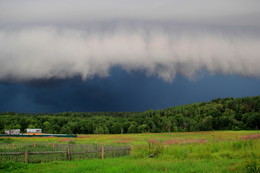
(33, 131)
(12, 132)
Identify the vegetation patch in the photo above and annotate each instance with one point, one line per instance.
(222, 151)
(10, 166)
(219, 114)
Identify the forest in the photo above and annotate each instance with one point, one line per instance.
(218, 114)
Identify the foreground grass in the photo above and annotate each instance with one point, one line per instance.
(176, 152)
(128, 164)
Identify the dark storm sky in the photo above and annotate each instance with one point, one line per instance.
(126, 55)
(122, 91)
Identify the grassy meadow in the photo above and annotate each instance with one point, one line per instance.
(213, 151)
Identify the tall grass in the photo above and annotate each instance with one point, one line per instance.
(225, 151)
(243, 156)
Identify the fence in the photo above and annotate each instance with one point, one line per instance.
(54, 152)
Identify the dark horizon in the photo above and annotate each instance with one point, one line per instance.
(120, 92)
(117, 111)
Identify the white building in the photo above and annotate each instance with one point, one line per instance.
(33, 131)
(12, 132)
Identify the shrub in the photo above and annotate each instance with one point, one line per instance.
(237, 145)
(6, 140)
(251, 166)
(153, 149)
(11, 166)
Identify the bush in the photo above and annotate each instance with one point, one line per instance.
(251, 166)
(152, 150)
(11, 166)
(155, 149)
(237, 145)
(6, 140)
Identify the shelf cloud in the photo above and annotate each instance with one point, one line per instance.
(62, 39)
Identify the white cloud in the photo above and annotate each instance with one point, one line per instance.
(64, 38)
(46, 52)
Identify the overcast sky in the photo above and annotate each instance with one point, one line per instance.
(163, 42)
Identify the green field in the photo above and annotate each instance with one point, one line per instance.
(217, 151)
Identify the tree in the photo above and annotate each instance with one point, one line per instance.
(116, 128)
(206, 123)
(253, 120)
(66, 130)
(132, 129)
(47, 127)
(99, 130)
(142, 128)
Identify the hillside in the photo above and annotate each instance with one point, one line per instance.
(219, 114)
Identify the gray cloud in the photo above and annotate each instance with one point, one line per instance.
(60, 39)
(78, 11)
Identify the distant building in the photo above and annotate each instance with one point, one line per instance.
(12, 132)
(33, 131)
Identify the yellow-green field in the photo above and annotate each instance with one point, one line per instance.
(138, 139)
(217, 151)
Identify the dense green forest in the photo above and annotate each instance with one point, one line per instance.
(219, 114)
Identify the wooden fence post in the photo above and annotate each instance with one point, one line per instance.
(26, 156)
(131, 148)
(12, 145)
(102, 152)
(68, 153)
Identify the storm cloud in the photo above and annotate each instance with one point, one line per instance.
(62, 39)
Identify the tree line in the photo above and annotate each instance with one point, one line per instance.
(219, 114)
